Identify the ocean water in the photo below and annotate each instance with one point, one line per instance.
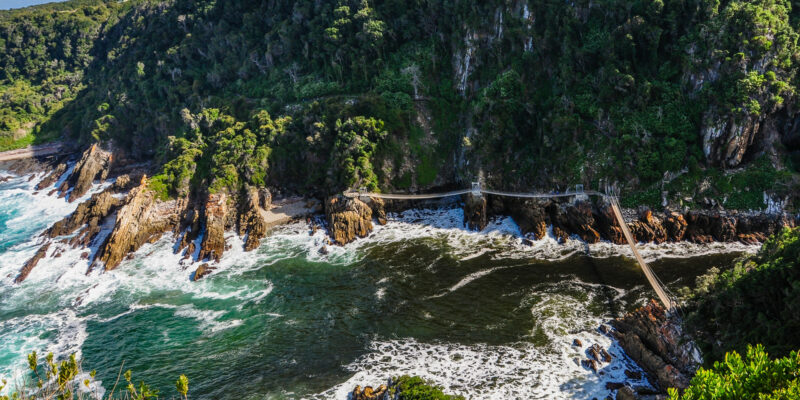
(479, 313)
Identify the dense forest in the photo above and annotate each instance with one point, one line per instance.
(315, 97)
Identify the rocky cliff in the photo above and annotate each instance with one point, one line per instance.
(656, 342)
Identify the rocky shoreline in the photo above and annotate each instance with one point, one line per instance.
(199, 221)
(590, 219)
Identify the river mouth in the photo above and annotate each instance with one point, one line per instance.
(480, 313)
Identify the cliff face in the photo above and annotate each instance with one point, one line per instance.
(656, 342)
(348, 219)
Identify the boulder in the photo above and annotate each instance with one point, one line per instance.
(348, 218)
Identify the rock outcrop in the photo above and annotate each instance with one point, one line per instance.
(141, 219)
(201, 271)
(28, 267)
(251, 221)
(93, 165)
(655, 342)
(216, 221)
(348, 218)
(475, 213)
(52, 177)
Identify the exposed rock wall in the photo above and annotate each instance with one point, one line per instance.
(93, 165)
(141, 219)
(655, 342)
(251, 221)
(348, 218)
(216, 221)
(476, 216)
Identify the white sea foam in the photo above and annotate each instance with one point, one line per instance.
(482, 371)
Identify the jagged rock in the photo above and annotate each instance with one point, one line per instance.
(475, 215)
(723, 228)
(52, 177)
(657, 344)
(726, 139)
(93, 165)
(378, 207)
(675, 226)
(626, 393)
(530, 216)
(561, 235)
(28, 267)
(369, 393)
(577, 342)
(599, 353)
(90, 212)
(251, 221)
(614, 385)
(348, 218)
(190, 225)
(216, 214)
(699, 228)
(141, 219)
(578, 218)
(607, 224)
(201, 271)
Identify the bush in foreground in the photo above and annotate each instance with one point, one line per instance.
(755, 376)
(415, 388)
(50, 380)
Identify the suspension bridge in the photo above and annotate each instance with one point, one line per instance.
(477, 190)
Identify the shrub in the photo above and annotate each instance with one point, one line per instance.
(755, 376)
(415, 388)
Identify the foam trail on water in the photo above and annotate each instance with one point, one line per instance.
(536, 369)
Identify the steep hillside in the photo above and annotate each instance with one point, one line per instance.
(695, 98)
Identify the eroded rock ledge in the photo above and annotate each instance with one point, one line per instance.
(133, 215)
(657, 343)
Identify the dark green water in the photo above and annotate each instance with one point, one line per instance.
(479, 313)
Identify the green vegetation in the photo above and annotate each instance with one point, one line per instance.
(763, 290)
(65, 380)
(415, 388)
(755, 376)
(392, 94)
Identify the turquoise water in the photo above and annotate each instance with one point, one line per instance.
(479, 313)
